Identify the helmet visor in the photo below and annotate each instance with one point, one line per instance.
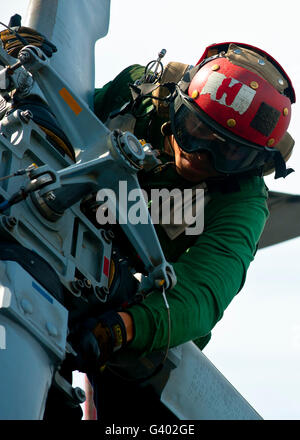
(230, 154)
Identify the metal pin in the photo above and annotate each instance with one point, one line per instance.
(51, 329)
(26, 306)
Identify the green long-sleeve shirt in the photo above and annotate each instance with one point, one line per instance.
(211, 268)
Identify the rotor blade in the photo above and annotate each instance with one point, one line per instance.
(284, 221)
(74, 27)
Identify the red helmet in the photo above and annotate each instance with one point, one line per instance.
(236, 104)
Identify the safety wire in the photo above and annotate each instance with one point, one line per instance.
(21, 194)
(18, 173)
(169, 322)
(18, 36)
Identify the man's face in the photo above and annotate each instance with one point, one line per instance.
(194, 167)
(197, 166)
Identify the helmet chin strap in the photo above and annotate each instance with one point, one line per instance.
(280, 166)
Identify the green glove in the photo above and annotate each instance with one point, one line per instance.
(12, 44)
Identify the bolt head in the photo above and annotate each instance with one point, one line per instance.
(50, 196)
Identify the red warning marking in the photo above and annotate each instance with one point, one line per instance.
(106, 264)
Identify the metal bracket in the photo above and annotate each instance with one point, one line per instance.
(104, 159)
(73, 396)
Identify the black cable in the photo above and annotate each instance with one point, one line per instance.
(22, 39)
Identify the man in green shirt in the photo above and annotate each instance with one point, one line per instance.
(212, 270)
(224, 127)
(219, 126)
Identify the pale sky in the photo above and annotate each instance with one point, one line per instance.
(257, 343)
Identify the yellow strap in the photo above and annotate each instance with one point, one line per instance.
(59, 141)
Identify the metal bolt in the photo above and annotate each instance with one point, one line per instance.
(76, 287)
(87, 283)
(270, 142)
(79, 284)
(24, 57)
(50, 196)
(231, 123)
(107, 235)
(159, 283)
(215, 67)
(111, 234)
(254, 85)
(9, 222)
(51, 329)
(79, 394)
(101, 293)
(26, 115)
(26, 306)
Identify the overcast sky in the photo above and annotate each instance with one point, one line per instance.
(257, 343)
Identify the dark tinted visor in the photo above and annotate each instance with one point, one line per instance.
(230, 155)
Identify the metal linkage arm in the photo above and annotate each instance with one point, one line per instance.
(104, 160)
(114, 174)
(85, 131)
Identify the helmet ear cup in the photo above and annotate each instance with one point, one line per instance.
(285, 146)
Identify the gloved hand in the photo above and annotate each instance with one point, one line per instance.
(12, 44)
(95, 340)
